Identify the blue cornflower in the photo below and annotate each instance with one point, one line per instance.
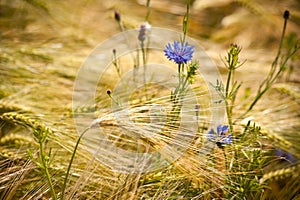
(285, 155)
(178, 52)
(142, 31)
(219, 137)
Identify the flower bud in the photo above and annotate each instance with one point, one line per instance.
(117, 16)
(286, 14)
(142, 32)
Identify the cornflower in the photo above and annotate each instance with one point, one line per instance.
(285, 155)
(178, 52)
(219, 137)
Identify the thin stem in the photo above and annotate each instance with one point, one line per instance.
(179, 68)
(116, 63)
(229, 115)
(225, 158)
(270, 79)
(281, 42)
(145, 67)
(179, 75)
(179, 81)
(148, 11)
(232, 62)
(71, 161)
(186, 21)
(265, 87)
(122, 28)
(44, 163)
(228, 110)
(235, 92)
(228, 81)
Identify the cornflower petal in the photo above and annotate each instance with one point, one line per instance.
(211, 135)
(178, 52)
(224, 129)
(227, 139)
(219, 137)
(285, 155)
(219, 130)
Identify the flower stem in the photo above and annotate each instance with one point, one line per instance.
(148, 11)
(231, 87)
(228, 80)
(71, 161)
(116, 63)
(275, 71)
(145, 67)
(186, 21)
(225, 158)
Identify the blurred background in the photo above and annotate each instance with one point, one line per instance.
(43, 41)
(251, 23)
(77, 27)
